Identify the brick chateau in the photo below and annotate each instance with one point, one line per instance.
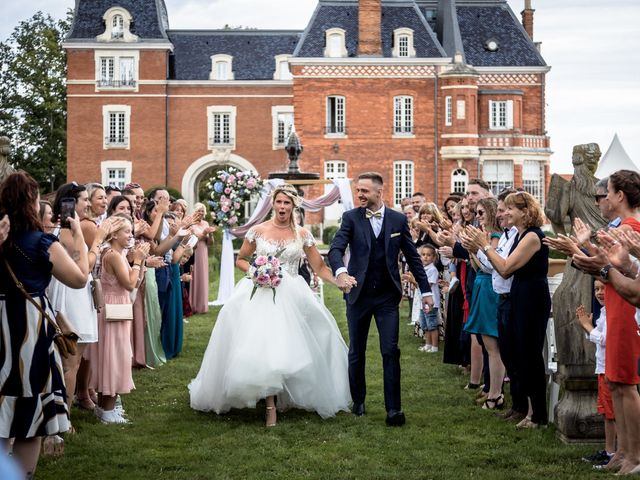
(428, 92)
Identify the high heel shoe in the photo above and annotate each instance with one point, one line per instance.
(271, 417)
(494, 403)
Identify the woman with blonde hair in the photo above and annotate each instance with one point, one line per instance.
(112, 370)
(199, 288)
(281, 343)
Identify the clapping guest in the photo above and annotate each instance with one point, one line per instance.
(483, 319)
(199, 289)
(99, 202)
(623, 342)
(31, 405)
(528, 263)
(112, 373)
(77, 304)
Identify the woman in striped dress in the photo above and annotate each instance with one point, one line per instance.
(32, 391)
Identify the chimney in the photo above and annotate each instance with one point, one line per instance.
(369, 29)
(527, 18)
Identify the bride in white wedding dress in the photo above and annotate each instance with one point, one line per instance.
(290, 346)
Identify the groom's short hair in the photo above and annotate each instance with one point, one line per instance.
(375, 177)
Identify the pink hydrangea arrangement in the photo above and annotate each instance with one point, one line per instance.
(228, 191)
(265, 271)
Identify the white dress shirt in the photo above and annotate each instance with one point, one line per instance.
(376, 223)
(500, 285)
(599, 336)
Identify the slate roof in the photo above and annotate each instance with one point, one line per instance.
(149, 18)
(479, 24)
(346, 17)
(324, 18)
(424, 40)
(253, 52)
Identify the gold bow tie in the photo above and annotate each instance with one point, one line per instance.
(370, 214)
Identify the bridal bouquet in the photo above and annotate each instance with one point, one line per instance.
(265, 271)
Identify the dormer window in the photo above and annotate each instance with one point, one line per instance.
(282, 71)
(117, 27)
(117, 22)
(335, 45)
(221, 67)
(403, 43)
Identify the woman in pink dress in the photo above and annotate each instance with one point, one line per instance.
(199, 289)
(112, 370)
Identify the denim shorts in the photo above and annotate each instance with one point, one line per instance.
(429, 321)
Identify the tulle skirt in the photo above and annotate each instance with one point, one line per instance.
(291, 348)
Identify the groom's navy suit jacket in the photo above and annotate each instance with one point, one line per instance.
(355, 231)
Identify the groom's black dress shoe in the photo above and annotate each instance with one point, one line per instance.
(358, 409)
(395, 418)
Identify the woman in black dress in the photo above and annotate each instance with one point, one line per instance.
(528, 262)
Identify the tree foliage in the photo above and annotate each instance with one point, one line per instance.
(33, 103)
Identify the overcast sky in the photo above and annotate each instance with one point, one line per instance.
(593, 89)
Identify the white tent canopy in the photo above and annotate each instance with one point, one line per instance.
(615, 159)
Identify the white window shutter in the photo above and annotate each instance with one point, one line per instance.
(510, 114)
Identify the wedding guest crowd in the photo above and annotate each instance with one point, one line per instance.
(493, 262)
(108, 263)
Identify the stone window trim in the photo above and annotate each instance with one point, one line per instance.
(403, 180)
(276, 112)
(122, 70)
(500, 114)
(403, 43)
(217, 137)
(337, 35)
(336, 117)
(448, 110)
(116, 136)
(498, 173)
(117, 21)
(459, 180)
(222, 59)
(281, 62)
(121, 169)
(403, 116)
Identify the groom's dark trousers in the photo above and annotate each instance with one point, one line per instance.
(374, 264)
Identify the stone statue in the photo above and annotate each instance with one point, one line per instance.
(5, 150)
(576, 416)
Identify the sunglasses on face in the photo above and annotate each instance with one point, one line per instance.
(479, 212)
(600, 197)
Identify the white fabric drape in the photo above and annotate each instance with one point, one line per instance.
(341, 191)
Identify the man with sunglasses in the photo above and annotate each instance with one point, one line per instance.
(603, 203)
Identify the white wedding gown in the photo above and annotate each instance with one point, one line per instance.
(291, 348)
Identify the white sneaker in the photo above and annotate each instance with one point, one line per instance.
(433, 349)
(112, 416)
(425, 348)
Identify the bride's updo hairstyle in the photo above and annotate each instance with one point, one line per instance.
(291, 192)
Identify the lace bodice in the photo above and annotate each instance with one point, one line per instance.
(293, 249)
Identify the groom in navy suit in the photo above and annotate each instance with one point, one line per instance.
(371, 282)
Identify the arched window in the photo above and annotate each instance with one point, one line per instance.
(221, 67)
(117, 22)
(117, 26)
(403, 43)
(459, 181)
(335, 43)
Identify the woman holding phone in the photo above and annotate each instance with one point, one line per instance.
(76, 305)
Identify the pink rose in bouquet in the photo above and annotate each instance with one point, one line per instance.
(265, 271)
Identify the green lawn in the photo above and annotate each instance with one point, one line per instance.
(446, 435)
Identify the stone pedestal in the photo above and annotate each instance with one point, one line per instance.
(577, 419)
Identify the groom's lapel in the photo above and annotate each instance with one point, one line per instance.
(386, 228)
(365, 225)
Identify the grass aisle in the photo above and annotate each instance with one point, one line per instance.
(446, 435)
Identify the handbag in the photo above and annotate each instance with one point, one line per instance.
(65, 338)
(96, 294)
(117, 312)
